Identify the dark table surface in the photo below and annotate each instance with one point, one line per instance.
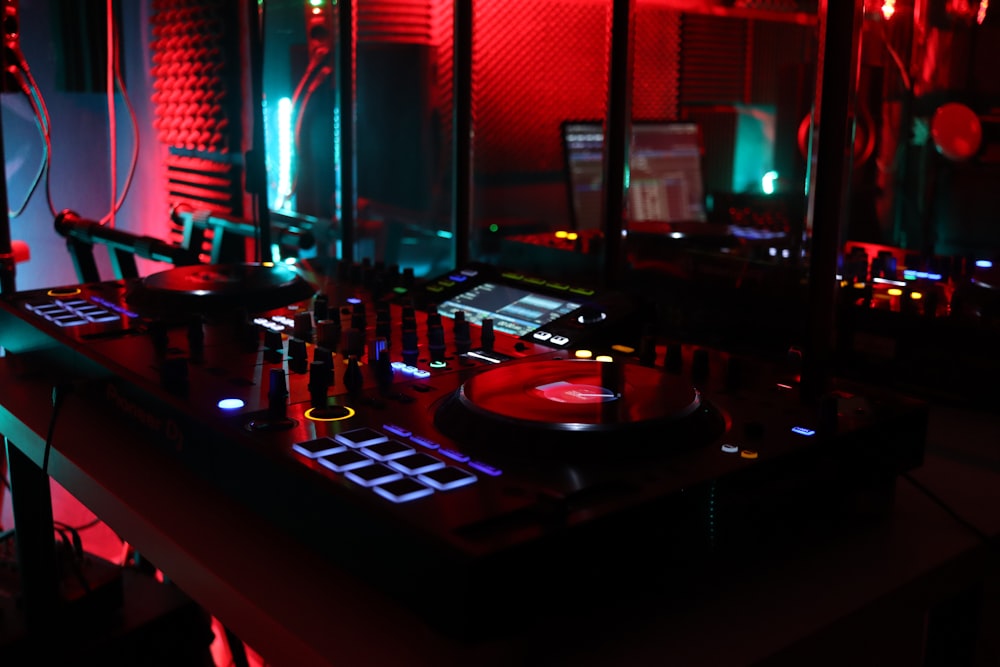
(816, 599)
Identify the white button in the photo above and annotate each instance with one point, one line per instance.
(559, 340)
(541, 335)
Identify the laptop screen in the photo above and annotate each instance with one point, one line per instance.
(665, 172)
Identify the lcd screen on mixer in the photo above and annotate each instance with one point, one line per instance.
(514, 311)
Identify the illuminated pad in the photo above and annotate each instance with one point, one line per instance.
(348, 459)
(403, 490)
(318, 447)
(446, 478)
(361, 437)
(72, 313)
(385, 451)
(416, 463)
(373, 474)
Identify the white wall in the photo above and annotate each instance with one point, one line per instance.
(80, 174)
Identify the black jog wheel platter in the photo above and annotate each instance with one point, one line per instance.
(209, 289)
(574, 407)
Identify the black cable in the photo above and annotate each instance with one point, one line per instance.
(82, 527)
(950, 511)
(22, 82)
(58, 394)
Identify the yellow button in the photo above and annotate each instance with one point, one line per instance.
(748, 454)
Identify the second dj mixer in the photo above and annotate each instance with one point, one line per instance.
(465, 443)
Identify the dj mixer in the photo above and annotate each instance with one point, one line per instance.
(470, 442)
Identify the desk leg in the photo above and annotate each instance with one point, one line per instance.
(31, 505)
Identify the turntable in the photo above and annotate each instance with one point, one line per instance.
(572, 407)
(464, 483)
(207, 289)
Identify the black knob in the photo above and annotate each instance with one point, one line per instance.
(463, 335)
(319, 372)
(159, 334)
(589, 316)
(354, 342)
(383, 322)
(277, 394)
(353, 379)
(359, 320)
(487, 336)
(303, 327)
(273, 340)
(321, 306)
(324, 356)
(378, 357)
(297, 355)
(435, 342)
(410, 345)
(328, 334)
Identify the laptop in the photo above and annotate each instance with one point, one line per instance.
(665, 174)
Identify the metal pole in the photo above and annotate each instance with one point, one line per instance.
(838, 73)
(348, 128)
(461, 142)
(8, 267)
(256, 167)
(616, 144)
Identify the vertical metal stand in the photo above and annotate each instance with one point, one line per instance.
(348, 128)
(616, 144)
(461, 141)
(256, 162)
(8, 267)
(838, 73)
(31, 503)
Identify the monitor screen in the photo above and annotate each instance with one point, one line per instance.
(514, 311)
(665, 172)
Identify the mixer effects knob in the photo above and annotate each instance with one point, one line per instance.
(321, 307)
(303, 327)
(273, 340)
(297, 355)
(353, 379)
(277, 394)
(463, 335)
(319, 372)
(435, 342)
(411, 350)
(487, 336)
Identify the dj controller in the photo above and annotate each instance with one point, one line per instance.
(469, 442)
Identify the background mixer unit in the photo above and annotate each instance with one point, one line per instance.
(480, 439)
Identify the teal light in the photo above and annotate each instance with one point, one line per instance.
(767, 183)
(444, 234)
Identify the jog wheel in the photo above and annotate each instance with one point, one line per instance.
(567, 407)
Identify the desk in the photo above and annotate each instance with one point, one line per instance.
(297, 609)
